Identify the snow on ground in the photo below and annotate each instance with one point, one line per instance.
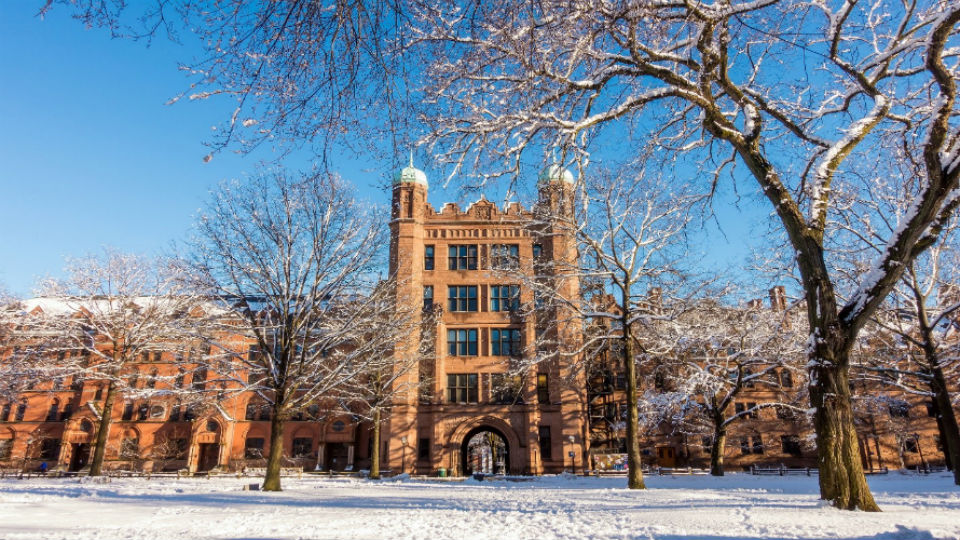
(736, 506)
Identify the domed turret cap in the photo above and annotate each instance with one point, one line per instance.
(555, 172)
(410, 175)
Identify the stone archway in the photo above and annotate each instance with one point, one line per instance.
(484, 450)
(459, 442)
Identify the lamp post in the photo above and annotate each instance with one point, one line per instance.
(403, 454)
(573, 455)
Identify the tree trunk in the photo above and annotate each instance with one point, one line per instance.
(947, 420)
(271, 482)
(842, 481)
(634, 461)
(716, 452)
(375, 454)
(103, 431)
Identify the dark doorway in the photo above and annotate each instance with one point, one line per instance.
(79, 457)
(485, 451)
(209, 456)
(336, 457)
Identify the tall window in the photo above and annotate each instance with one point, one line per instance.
(428, 257)
(504, 297)
(462, 388)
(462, 257)
(546, 444)
(302, 446)
(504, 256)
(127, 412)
(427, 296)
(505, 342)
(786, 379)
(253, 449)
(54, 411)
(543, 389)
(21, 410)
(506, 389)
(790, 444)
(537, 251)
(5, 413)
(462, 342)
(423, 449)
(199, 378)
(462, 298)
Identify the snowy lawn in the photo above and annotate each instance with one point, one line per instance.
(736, 506)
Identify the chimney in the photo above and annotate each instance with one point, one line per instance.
(778, 298)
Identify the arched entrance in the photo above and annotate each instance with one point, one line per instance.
(485, 450)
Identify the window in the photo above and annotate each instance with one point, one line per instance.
(423, 449)
(462, 257)
(127, 412)
(428, 257)
(152, 380)
(786, 413)
(67, 412)
(180, 448)
(5, 413)
(178, 381)
(754, 412)
(790, 445)
(543, 389)
(757, 444)
(175, 413)
(252, 409)
(462, 388)
(6, 447)
(505, 342)
(157, 412)
(537, 251)
(745, 445)
(899, 409)
(910, 445)
(54, 411)
(189, 413)
(786, 379)
(707, 442)
(199, 378)
(21, 410)
(253, 449)
(462, 298)
(143, 411)
(302, 447)
(427, 296)
(741, 408)
(931, 409)
(504, 256)
(504, 298)
(98, 395)
(506, 389)
(49, 449)
(130, 448)
(748, 380)
(462, 342)
(546, 444)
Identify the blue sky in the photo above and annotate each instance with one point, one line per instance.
(91, 156)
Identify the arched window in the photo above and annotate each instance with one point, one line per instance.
(178, 382)
(127, 412)
(67, 412)
(98, 395)
(86, 426)
(130, 447)
(5, 413)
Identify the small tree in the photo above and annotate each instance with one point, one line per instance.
(292, 260)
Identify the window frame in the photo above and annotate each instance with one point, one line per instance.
(469, 346)
(506, 342)
(504, 298)
(463, 385)
(462, 256)
(463, 298)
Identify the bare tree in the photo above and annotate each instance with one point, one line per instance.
(293, 259)
(729, 352)
(101, 321)
(704, 83)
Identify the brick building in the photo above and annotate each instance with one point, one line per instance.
(472, 410)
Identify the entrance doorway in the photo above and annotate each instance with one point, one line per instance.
(208, 456)
(485, 451)
(336, 457)
(666, 456)
(79, 457)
